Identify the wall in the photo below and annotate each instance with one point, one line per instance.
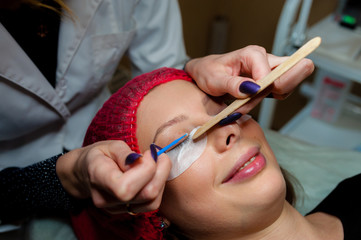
(249, 22)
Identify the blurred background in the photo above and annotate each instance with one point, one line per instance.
(325, 110)
(242, 23)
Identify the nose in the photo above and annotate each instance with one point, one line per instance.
(224, 137)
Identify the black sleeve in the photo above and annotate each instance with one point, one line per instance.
(35, 189)
(344, 202)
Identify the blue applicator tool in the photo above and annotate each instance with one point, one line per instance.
(169, 146)
(153, 147)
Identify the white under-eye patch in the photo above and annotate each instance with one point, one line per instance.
(184, 155)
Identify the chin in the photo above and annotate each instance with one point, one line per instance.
(268, 201)
(272, 193)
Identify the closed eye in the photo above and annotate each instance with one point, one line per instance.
(180, 144)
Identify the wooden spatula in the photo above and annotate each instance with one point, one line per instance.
(301, 53)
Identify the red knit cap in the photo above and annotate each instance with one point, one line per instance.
(116, 120)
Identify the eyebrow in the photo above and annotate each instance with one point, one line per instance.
(173, 121)
(177, 119)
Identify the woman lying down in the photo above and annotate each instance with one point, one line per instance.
(225, 185)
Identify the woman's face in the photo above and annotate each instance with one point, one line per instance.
(215, 196)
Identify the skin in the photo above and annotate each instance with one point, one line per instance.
(199, 202)
(219, 74)
(99, 172)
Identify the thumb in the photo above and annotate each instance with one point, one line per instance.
(120, 153)
(239, 87)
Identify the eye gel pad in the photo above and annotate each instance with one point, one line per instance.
(185, 154)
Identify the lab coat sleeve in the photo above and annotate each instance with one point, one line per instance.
(158, 41)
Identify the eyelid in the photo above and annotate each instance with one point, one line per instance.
(178, 144)
(174, 143)
(168, 124)
(186, 140)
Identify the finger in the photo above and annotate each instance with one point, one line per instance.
(128, 185)
(283, 86)
(105, 174)
(292, 78)
(281, 96)
(118, 151)
(254, 101)
(254, 62)
(274, 61)
(151, 205)
(254, 65)
(134, 208)
(117, 209)
(102, 199)
(123, 208)
(150, 197)
(237, 86)
(154, 189)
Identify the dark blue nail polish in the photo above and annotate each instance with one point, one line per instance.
(249, 87)
(131, 158)
(153, 151)
(157, 147)
(230, 118)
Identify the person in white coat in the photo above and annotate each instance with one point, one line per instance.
(39, 120)
(43, 115)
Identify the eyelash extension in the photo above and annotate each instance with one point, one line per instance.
(169, 146)
(180, 144)
(189, 137)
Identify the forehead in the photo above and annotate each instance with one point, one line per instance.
(164, 103)
(176, 88)
(172, 96)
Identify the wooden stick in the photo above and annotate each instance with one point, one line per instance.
(306, 49)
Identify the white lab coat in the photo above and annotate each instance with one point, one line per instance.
(38, 121)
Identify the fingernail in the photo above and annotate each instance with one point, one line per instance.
(153, 151)
(157, 147)
(131, 158)
(230, 118)
(249, 87)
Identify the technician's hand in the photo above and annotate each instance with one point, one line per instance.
(100, 171)
(237, 73)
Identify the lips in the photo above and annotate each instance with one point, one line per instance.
(247, 166)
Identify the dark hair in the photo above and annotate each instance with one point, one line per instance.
(292, 184)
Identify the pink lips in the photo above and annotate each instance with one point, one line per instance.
(248, 165)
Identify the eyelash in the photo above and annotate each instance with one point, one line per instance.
(180, 144)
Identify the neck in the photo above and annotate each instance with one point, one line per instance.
(292, 225)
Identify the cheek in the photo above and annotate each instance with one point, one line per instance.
(188, 197)
(194, 202)
(252, 129)
(188, 188)
(272, 183)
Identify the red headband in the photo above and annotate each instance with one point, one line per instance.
(116, 120)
